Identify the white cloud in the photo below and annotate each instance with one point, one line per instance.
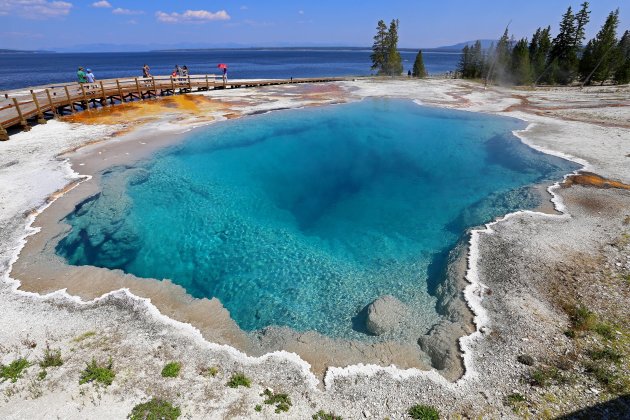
(300, 12)
(103, 4)
(121, 11)
(244, 8)
(35, 9)
(191, 16)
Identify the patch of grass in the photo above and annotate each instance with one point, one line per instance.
(42, 375)
(608, 378)
(570, 333)
(516, 401)
(13, 371)
(605, 330)
(545, 376)
(322, 415)
(281, 401)
(155, 409)
(606, 353)
(582, 318)
(84, 336)
(239, 379)
(210, 371)
(423, 412)
(258, 408)
(100, 374)
(52, 358)
(171, 370)
(515, 398)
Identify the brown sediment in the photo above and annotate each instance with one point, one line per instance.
(590, 179)
(151, 110)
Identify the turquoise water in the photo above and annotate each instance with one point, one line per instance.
(301, 218)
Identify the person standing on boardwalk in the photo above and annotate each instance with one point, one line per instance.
(224, 74)
(90, 76)
(146, 71)
(81, 75)
(184, 71)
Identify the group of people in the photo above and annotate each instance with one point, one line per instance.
(180, 71)
(85, 76)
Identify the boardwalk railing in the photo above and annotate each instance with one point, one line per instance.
(18, 107)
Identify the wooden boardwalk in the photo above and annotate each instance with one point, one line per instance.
(17, 108)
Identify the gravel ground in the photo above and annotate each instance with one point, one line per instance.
(529, 272)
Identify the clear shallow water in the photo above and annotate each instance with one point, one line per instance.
(21, 70)
(301, 218)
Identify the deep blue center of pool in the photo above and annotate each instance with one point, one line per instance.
(301, 218)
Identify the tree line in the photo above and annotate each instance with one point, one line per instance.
(560, 60)
(386, 59)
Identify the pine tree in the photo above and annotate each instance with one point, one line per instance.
(463, 67)
(622, 68)
(539, 49)
(393, 65)
(418, 66)
(477, 60)
(521, 67)
(500, 67)
(600, 55)
(563, 58)
(379, 48)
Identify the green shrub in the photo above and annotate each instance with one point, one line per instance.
(155, 409)
(516, 401)
(171, 370)
(42, 375)
(423, 412)
(609, 378)
(94, 372)
(606, 353)
(258, 408)
(322, 415)
(605, 330)
(14, 370)
(582, 318)
(210, 371)
(281, 401)
(52, 358)
(545, 376)
(239, 379)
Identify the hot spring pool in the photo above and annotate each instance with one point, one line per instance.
(301, 218)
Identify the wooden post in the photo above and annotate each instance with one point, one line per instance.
(138, 87)
(103, 97)
(23, 122)
(207, 83)
(172, 86)
(40, 115)
(120, 92)
(70, 102)
(51, 103)
(189, 84)
(85, 102)
(4, 136)
(154, 88)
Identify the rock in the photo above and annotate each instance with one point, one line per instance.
(385, 315)
(526, 359)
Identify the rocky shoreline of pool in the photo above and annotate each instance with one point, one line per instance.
(512, 265)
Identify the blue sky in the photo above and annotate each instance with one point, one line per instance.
(52, 24)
